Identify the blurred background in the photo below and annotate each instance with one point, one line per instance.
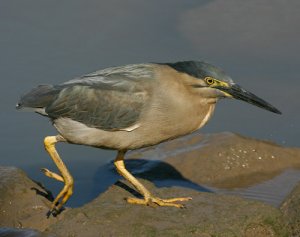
(48, 42)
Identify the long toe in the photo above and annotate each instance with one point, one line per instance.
(154, 201)
(52, 175)
(179, 199)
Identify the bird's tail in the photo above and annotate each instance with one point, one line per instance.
(38, 98)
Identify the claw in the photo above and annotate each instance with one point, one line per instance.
(54, 212)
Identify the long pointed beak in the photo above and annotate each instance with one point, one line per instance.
(239, 93)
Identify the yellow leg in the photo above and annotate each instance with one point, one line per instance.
(149, 199)
(65, 176)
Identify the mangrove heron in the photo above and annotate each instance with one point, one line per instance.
(129, 107)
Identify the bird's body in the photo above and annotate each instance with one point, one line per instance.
(130, 107)
(149, 117)
(97, 110)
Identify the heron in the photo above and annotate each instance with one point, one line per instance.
(129, 107)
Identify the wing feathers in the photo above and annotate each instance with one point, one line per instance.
(109, 99)
(110, 102)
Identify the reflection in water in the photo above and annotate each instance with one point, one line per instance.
(273, 191)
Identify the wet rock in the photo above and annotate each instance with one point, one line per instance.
(208, 214)
(223, 160)
(23, 203)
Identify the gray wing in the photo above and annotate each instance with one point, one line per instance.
(109, 101)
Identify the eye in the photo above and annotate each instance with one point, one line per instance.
(209, 80)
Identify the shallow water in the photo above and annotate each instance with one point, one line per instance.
(273, 191)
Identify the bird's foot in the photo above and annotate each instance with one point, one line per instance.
(64, 194)
(154, 201)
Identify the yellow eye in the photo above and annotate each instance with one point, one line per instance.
(209, 80)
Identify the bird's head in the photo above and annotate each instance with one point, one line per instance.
(214, 83)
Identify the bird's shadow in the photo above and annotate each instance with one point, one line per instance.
(158, 172)
(42, 191)
(128, 189)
